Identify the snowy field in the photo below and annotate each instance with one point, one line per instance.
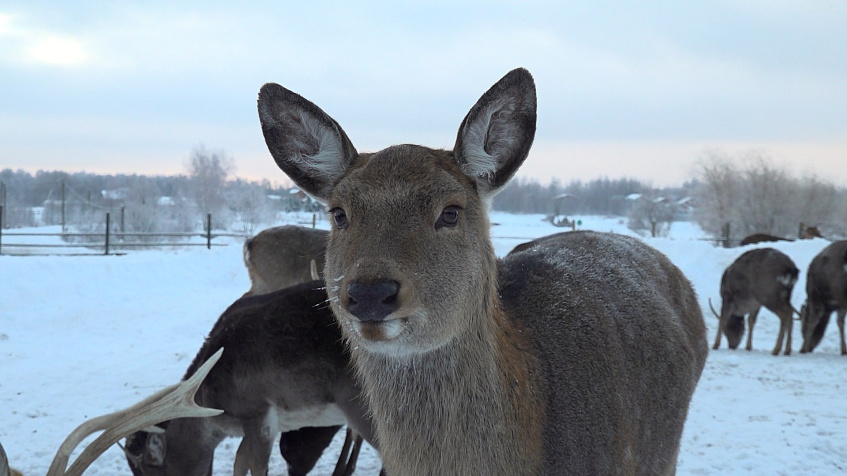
(86, 335)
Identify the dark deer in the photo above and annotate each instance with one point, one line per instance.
(826, 291)
(284, 368)
(276, 258)
(761, 238)
(279, 257)
(760, 277)
(579, 355)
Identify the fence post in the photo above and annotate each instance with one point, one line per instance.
(1, 229)
(208, 231)
(726, 236)
(123, 208)
(107, 232)
(313, 220)
(63, 206)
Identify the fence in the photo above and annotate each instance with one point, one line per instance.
(108, 245)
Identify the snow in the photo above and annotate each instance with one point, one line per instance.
(86, 335)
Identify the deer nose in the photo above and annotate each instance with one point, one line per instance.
(372, 301)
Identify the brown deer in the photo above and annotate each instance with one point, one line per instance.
(578, 356)
(279, 257)
(760, 277)
(756, 238)
(826, 291)
(285, 368)
(809, 232)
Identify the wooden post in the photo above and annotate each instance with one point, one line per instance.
(123, 209)
(726, 236)
(314, 219)
(2, 202)
(208, 231)
(107, 233)
(63, 206)
(1, 229)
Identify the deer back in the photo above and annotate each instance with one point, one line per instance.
(760, 277)
(279, 257)
(606, 413)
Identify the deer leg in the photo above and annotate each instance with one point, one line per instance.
(717, 343)
(354, 456)
(841, 315)
(751, 321)
(241, 465)
(787, 321)
(255, 448)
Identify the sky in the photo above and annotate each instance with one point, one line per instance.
(640, 90)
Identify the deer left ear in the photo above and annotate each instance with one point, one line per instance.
(496, 135)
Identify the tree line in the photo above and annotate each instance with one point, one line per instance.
(745, 193)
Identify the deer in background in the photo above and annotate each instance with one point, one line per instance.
(276, 258)
(826, 292)
(279, 257)
(808, 232)
(760, 238)
(284, 368)
(760, 277)
(578, 355)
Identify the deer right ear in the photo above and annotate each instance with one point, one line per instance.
(307, 144)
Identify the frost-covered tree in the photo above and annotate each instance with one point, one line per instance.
(207, 172)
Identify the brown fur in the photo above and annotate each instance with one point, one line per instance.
(550, 361)
(760, 277)
(279, 257)
(760, 238)
(826, 291)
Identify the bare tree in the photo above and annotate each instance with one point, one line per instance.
(719, 187)
(752, 196)
(208, 171)
(652, 214)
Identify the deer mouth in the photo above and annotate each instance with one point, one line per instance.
(380, 331)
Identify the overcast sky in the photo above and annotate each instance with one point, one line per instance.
(625, 89)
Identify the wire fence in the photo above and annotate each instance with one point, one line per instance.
(110, 242)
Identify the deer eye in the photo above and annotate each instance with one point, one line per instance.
(339, 216)
(449, 217)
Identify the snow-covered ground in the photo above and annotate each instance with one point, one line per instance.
(86, 335)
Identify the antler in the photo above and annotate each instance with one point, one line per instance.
(175, 401)
(713, 309)
(313, 270)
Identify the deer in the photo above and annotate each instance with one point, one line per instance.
(759, 277)
(760, 238)
(280, 256)
(285, 370)
(579, 355)
(808, 232)
(276, 258)
(826, 291)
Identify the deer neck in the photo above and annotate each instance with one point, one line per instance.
(475, 401)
